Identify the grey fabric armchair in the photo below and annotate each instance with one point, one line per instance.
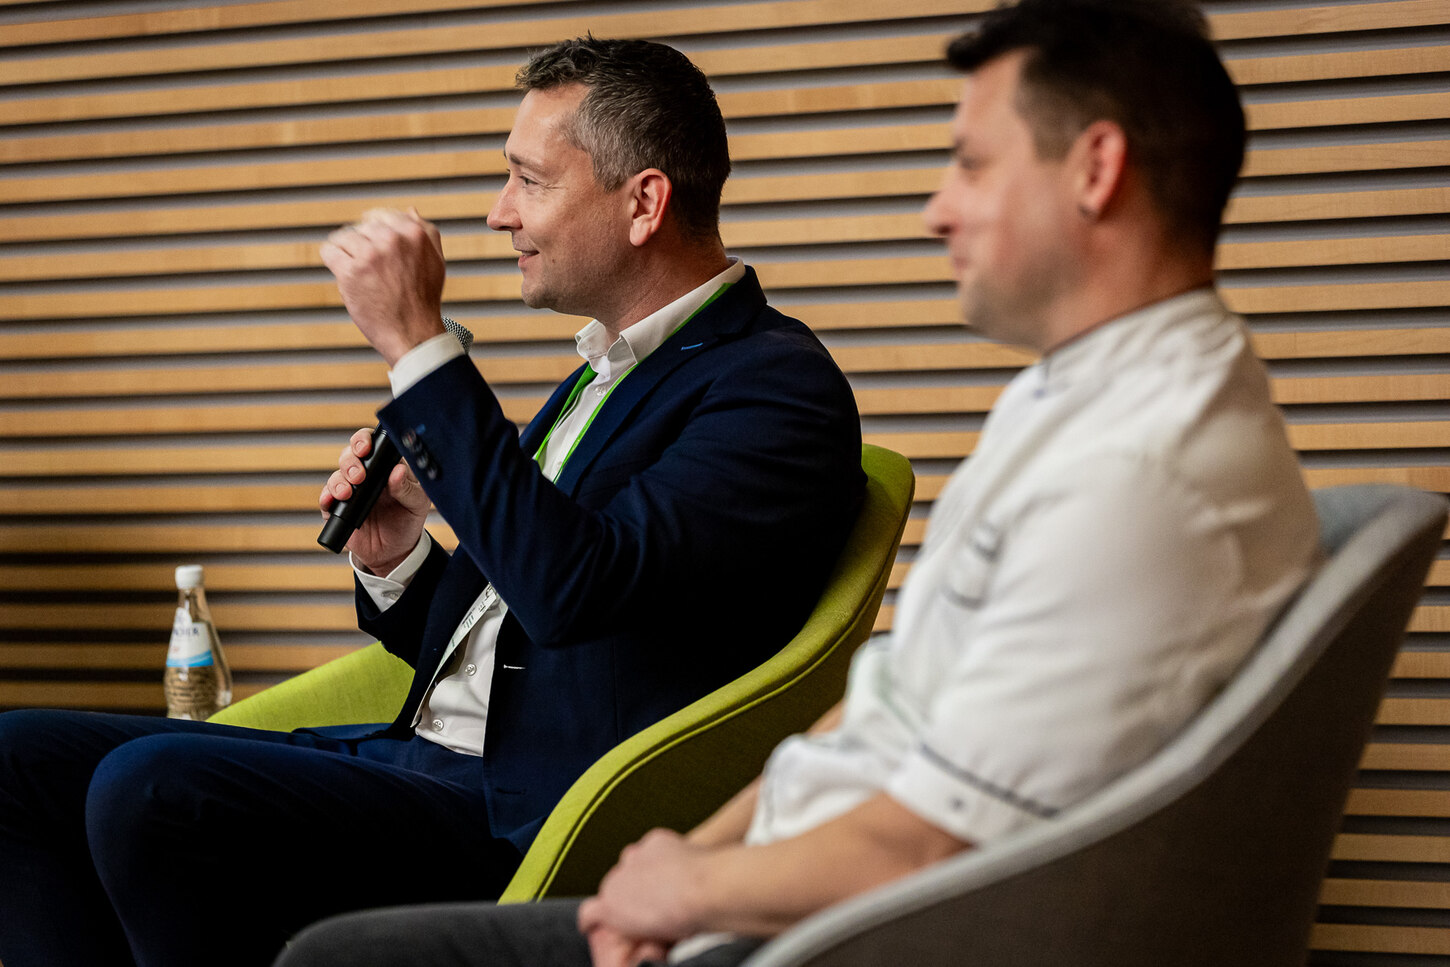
(1212, 852)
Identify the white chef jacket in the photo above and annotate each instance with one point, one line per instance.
(1131, 520)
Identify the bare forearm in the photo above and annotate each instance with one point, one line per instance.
(762, 890)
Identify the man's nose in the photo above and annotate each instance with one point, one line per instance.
(933, 216)
(501, 217)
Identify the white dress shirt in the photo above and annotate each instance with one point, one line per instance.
(455, 710)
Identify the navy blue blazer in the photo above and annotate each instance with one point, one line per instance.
(684, 542)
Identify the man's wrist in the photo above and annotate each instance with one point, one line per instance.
(422, 360)
(696, 906)
(387, 583)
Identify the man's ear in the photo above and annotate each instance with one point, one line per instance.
(1100, 155)
(649, 199)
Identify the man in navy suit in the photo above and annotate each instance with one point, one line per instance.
(663, 525)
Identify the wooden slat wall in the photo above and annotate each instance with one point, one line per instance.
(176, 374)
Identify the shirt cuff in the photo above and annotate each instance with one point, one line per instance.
(386, 590)
(422, 359)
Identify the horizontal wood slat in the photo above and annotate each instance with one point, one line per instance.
(673, 23)
(1324, 66)
(111, 342)
(503, 35)
(880, 228)
(792, 275)
(775, 58)
(1427, 664)
(235, 498)
(1340, 204)
(478, 122)
(131, 657)
(1386, 893)
(59, 539)
(1416, 711)
(114, 616)
(482, 79)
(154, 23)
(1406, 757)
(227, 418)
(1378, 939)
(1391, 849)
(439, 205)
(914, 400)
(415, 167)
(1398, 802)
(1327, 19)
(140, 697)
(331, 574)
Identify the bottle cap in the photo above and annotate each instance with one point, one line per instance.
(188, 576)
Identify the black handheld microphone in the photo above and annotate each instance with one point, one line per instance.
(348, 515)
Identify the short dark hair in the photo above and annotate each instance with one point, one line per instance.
(1148, 66)
(647, 106)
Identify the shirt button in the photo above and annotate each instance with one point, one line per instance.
(437, 725)
(470, 669)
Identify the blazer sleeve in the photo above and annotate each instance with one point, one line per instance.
(750, 465)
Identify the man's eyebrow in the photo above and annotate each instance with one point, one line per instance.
(519, 161)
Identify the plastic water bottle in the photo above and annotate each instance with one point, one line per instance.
(198, 682)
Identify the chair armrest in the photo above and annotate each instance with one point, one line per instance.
(367, 685)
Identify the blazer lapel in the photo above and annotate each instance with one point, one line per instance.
(723, 318)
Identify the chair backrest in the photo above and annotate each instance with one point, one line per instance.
(1212, 852)
(681, 769)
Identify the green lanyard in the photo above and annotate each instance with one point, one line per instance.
(586, 377)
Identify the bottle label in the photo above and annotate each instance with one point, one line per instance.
(190, 643)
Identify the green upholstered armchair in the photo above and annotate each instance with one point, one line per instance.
(679, 770)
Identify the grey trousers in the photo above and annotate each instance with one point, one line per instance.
(464, 935)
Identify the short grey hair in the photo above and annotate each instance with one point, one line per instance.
(647, 106)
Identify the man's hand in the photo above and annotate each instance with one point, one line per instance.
(646, 899)
(391, 530)
(610, 948)
(666, 888)
(389, 268)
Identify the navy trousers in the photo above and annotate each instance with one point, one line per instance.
(162, 843)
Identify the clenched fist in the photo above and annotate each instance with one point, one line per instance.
(389, 269)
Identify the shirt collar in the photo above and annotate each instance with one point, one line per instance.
(610, 359)
(1122, 341)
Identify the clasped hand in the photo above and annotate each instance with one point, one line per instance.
(645, 903)
(389, 268)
